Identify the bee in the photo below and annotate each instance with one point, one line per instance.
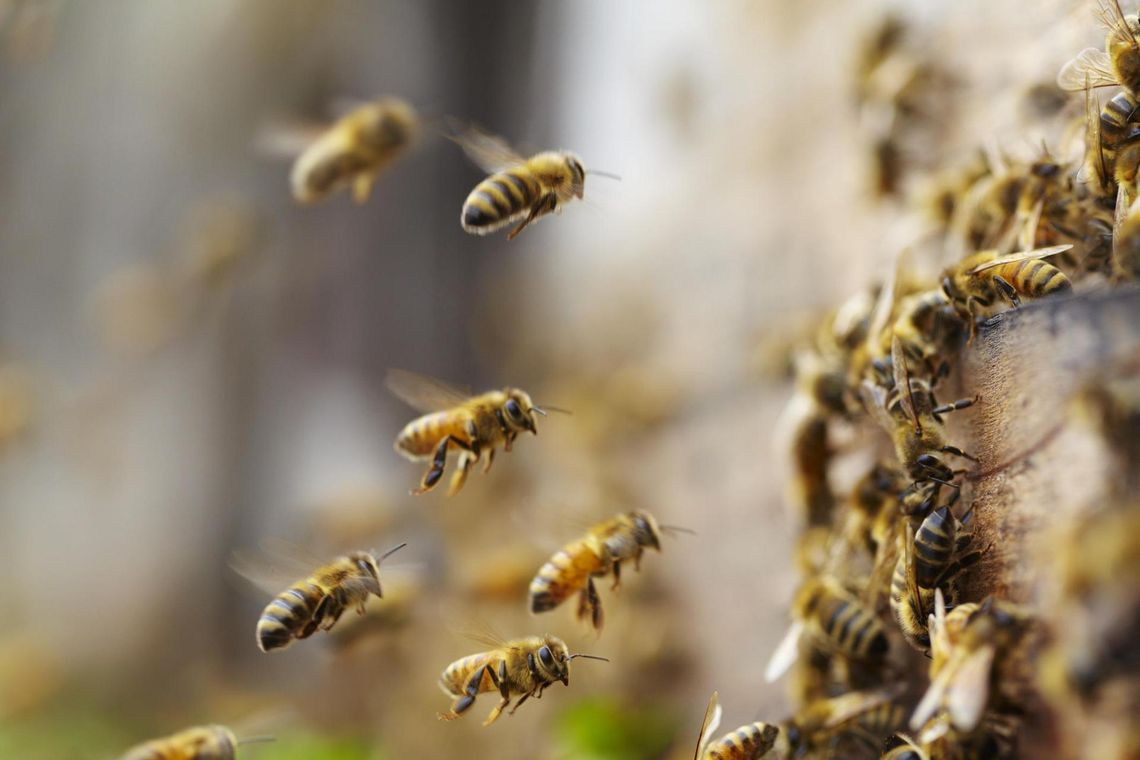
(929, 329)
(824, 723)
(750, 742)
(902, 747)
(354, 151)
(912, 416)
(976, 659)
(518, 189)
(834, 620)
(317, 601)
(810, 487)
(975, 283)
(1117, 65)
(198, 743)
(1112, 142)
(521, 667)
(597, 554)
(931, 558)
(458, 420)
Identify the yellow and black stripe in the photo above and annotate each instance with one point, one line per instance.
(564, 574)
(1033, 277)
(852, 628)
(500, 199)
(289, 616)
(745, 743)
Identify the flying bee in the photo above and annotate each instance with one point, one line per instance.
(354, 151)
(1117, 65)
(597, 554)
(457, 420)
(834, 620)
(975, 283)
(317, 601)
(521, 667)
(931, 558)
(973, 668)
(750, 742)
(198, 743)
(518, 189)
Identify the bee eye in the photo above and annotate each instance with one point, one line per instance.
(513, 409)
(546, 657)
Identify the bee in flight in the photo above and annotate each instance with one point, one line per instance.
(597, 554)
(457, 420)
(318, 600)
(519, 668)
(749, 742)
(518, 189)
(198, 743)
(354, 151)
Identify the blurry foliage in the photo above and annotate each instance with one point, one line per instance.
(604, 729)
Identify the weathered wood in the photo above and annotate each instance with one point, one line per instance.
(1037, 468)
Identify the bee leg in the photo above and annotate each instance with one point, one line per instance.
(469, 693)
(590, 605)
(522, 699)
(490, 459)
(959, 404)
(957, 452)
(504, 691)
(541, 207)
(438, 462)
(532, 666)
(460, 476)
(1007, 290)
(617, 576)
(362, 186)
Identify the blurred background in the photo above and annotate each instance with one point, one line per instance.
(191, 363)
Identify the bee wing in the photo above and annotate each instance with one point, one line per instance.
(423, 393)
(1027, 236)
(968, 692)
(885, 304)
(1119, 216)
(939, 641)
(874, 398)
(1112, 16)
(271, 569)
(481, 632)
(286, 139)
(1092, 133)
(786, 653)
(1038, 253)
(932, 699)
(712, 720)
(902, 379)
(1090, 68)
(489, 152)
(848, 706)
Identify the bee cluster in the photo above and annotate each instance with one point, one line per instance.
(886, 565)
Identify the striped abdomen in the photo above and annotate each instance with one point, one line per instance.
(745, 743)
(499, 200)
(911, 613)
(851, 627)
(563, 575)
(289, 615)
(419, 437)
(454, 679)
(200, 743)
(1033, 277)
(934, 546)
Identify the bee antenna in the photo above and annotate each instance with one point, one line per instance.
(677, 529)
(589, 657)
(390, 552)
(945, 483)
(257, 739)
(543, 410)
(608, 175)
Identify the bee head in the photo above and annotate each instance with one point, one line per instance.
(577, 175)
(645, 530)
(370, 568)
(519, 410)
(553, 660)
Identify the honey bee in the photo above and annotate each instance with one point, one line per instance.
(521, 667)
(834, 620)
(975, 665)
(929, 329)
(458, 420)
(198, 743)
(597, 554)
(518, 188)
(1112, 142)
(317, 601)
(354, 151)
(912, 416)
(1117, 65)
(750, 742)
(931, 558)
(975, 284)
(824, 723)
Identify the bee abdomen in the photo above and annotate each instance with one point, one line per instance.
(855, 630)
(1036, 278)
(497, 199)
(746, 742)
(287, 615)
(420, 436)
(563, 574)
(455, 676)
